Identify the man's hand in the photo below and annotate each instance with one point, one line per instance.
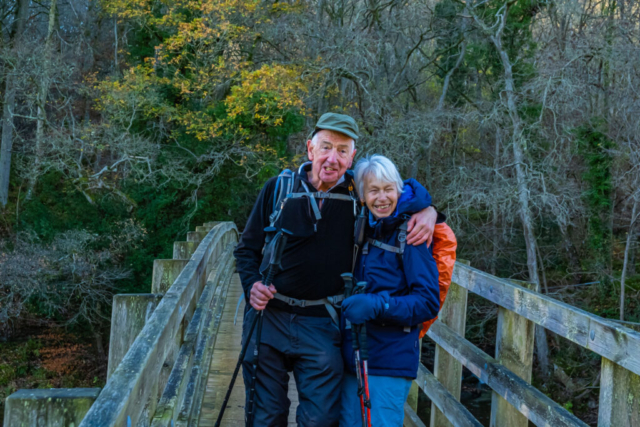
(260, 295)
(421, 226)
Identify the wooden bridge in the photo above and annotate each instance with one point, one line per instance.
(172, 353)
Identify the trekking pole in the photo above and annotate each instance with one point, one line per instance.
(365, 371)
(356, 348)
(279, 241)
(348, 288)
(364, 356)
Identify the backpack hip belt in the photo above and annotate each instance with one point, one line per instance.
(328, 302)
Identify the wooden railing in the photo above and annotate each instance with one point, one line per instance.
(160, 349)
(515, 401)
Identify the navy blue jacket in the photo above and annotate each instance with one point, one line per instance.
(410, 287)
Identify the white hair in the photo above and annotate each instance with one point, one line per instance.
(379, 167)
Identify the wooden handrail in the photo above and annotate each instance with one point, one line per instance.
(606, 338)
(531, 402)
(122, 400)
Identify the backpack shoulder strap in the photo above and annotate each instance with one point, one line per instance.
(284, 187)
(402, 241)
(402, 235)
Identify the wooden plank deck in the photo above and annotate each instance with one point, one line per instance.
(223, 362)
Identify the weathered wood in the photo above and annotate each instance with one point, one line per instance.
(531, 402)
(619, 396)
(608, 339)
(129, 314)
(411, 419)
(203, 335)
(412, 399)
(514, 350)
(184, 250)
(62, 407)
(174, 390)
(195, 236)
(120, 400)
(221, 294)
(446, 368)
(203, 228)
(165, 272)
(446, 403)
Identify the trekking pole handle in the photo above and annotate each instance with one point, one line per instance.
(348, 284)
(355, 340)
(364, 352)
(280, 241)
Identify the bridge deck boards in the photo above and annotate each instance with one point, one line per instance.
(225, 357)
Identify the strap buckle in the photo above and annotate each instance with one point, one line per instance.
(297, 302)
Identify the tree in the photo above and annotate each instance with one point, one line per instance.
(15, 40)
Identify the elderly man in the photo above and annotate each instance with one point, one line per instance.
(299, 333)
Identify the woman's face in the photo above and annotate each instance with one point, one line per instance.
(381, 197)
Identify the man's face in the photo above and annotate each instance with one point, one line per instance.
(331, 156)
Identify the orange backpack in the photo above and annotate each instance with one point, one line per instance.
(444, 253)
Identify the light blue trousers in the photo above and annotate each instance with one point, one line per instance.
(388, 395)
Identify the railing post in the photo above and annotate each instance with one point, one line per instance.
(446, 368)
(514, 350)
(412, 399)
(184, 250)
(196, 236)
(619, 395)
(129, 314)
(49, 408)
(165, 272)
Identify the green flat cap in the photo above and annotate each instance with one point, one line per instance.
(337, 122)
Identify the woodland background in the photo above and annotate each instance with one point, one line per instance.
(127, 122)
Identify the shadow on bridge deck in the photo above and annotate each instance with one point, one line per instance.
(225, 357)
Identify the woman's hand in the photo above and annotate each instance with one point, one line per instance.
(421, 226)
(363, 307)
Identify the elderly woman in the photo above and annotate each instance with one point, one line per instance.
(401, 293)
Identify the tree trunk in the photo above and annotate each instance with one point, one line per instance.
(6, 146)
(496, 242)
(7, 138)
(627, 249)
(521, 178)
(43, 93)
(447, 79)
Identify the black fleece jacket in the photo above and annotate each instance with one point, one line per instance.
(313, 259)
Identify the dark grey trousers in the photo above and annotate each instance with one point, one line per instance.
(308, 346)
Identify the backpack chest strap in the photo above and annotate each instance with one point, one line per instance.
(383, 246)
(319, 195)
(402, 241)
